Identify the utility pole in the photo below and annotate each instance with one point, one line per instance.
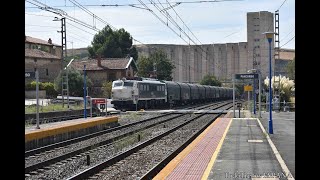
(64, 70)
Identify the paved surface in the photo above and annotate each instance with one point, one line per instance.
(283, 135)
(240, 159)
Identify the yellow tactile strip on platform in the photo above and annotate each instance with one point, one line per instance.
(41, 133)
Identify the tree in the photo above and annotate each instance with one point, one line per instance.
(286, 87)
(106, 89)
(112, 44)
(291, 69)
(210, 80)
(75, 81)
(157, 62)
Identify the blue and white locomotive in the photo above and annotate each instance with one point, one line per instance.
(151, 93)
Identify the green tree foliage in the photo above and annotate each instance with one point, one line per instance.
(106, 89)
(47, 86)
(75, 82)
(210, 80)
(160, 62)
(291, 69)
(112, 44)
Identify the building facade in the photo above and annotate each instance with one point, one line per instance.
(44, 56)
(100, 70)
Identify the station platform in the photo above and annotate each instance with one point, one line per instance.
(58, 131)
(232, 148)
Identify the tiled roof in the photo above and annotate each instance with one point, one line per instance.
(287, 54)
(108, 63)
(38, 41)
(36, 53)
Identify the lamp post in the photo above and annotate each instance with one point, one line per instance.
(269, 36)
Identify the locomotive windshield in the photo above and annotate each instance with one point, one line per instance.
(128, 84)
(117, 84)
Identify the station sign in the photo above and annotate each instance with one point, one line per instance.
(98, 101)
(29, 74)
(246, 76)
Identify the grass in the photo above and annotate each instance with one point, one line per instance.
(51, 107)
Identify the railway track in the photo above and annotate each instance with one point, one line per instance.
(147, 155)
(69, 153)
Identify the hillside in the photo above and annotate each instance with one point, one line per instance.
(80, 52)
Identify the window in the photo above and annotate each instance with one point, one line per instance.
(130, 84)
(35, 69)
(117, 84)
(35, 60)
(47, 72)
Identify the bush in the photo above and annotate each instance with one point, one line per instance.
(47, 86)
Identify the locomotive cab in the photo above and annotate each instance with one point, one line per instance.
(122, 93)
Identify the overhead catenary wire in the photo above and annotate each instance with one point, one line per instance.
(277, 10)
(287, 34)
(161, 19)
(288, 41)
(136, 5)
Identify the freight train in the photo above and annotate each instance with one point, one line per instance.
(149, 93)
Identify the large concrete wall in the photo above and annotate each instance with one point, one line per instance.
(193, 62)
(258, 46)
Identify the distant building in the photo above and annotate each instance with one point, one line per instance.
(44, 55)
(100, 70)
(285, 56)
(193, 62)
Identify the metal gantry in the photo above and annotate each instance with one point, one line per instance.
(276, 53)
(64, 69)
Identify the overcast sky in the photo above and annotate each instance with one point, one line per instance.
(214, 22)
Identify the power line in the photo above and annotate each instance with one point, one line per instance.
(136, 5)
(79, 28)
(277, 10)
(281, 5)
(160, 19)
(77, 38)
(287, 34)
(288, 41)
(183, 22)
